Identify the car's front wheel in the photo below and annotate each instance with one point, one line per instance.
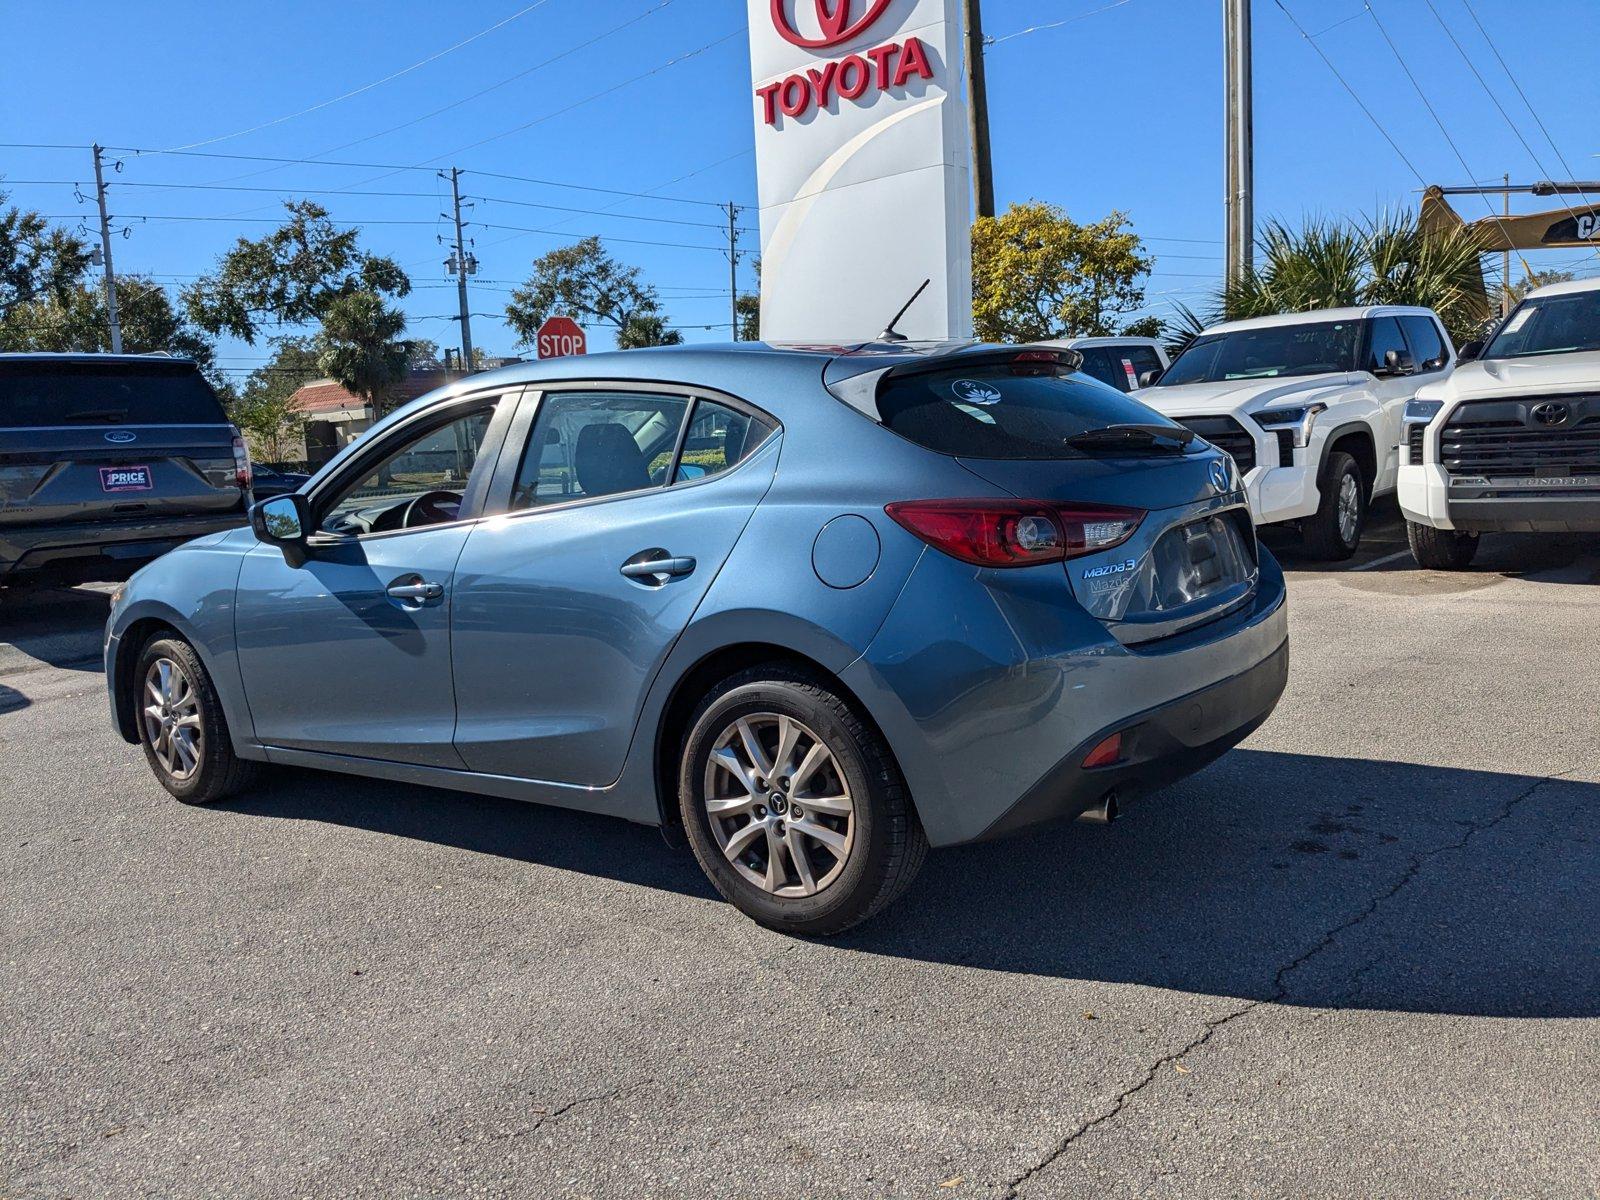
(1333, 532)
(793, 804)
(182, 727)
(1441, 549)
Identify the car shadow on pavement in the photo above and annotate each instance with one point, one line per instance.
(56, 626)
(1322, 882)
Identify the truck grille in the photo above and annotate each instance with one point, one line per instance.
(1225, 434)
(1518, 438)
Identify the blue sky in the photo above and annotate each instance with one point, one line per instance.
(1121, 108)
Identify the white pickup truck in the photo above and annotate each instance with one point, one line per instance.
(1311, 407)
(1510, 441)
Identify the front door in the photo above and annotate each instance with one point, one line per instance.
(1392, 391)
(623, 513)
(349, 652)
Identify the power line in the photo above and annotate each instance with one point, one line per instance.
(369, 86)
(988, 42)
(1328, 62)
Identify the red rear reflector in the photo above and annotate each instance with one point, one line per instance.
(1015, 533)
(1106, 753)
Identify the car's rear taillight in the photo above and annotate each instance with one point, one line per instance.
(1015, 533)
(241, 463)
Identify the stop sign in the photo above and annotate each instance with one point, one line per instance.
(560, 336)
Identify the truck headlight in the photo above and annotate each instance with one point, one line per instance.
(1423, 410)
(1300, 420)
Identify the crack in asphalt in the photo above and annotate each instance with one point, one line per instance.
(557, 1113)
(1280, 982)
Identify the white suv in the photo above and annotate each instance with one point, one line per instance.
(1310, 406)
(1511, 440)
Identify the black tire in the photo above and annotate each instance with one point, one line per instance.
(1323, 536)
(219, 772)
(887, 844)
(1441, 549)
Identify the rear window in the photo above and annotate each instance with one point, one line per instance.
(35, 394)
(999, 411)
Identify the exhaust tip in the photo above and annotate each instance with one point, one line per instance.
(1102, 812)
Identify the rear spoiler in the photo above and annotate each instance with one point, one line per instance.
(860, 390)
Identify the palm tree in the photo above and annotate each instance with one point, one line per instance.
(362, 350)
(1328, 263)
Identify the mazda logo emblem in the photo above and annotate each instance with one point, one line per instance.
(833, 21)
(1219, 475)
(1550, 414)
(121, 437)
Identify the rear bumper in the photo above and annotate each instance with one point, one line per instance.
(1427, 498)
(991, 688)
(1159, 747)
(90, 548)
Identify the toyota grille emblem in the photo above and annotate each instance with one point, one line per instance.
(1550, 414)
(834, 21)
(1219, 475)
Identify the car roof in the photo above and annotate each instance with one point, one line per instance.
(48, 356)
(1320, 315)
(1079, 343)
(1566, 288)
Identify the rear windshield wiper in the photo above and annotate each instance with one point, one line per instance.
(110, 415)
(1115, 436)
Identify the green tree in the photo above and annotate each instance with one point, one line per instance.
(1331, 263)
(265, 408)
(1533, 279)
(361, 347)
(38, 261)
(582, 280)
(291, 277)
(1037, 273)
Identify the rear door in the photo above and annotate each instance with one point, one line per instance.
(623, 504)
(120, 439)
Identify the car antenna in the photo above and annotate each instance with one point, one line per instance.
(890, 333)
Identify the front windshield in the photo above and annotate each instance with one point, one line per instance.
(1551, 325)
(1274, 352)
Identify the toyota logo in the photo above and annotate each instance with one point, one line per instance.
(1219, 474)
(1550, 414)
(833, 21)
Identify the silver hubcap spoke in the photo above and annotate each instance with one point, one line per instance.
(172, 724)
(1349, 508)
(779, 806)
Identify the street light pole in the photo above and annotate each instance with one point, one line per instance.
(461, 274)
(105, 250)
(1240, 138)
(978, 112)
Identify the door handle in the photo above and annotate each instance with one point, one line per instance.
(416, 591)
(657, 568)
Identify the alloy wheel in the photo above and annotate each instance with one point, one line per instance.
(779, 806)
(1349, 508)
(172, 724)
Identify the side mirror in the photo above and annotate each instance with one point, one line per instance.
(1472, 350)
(1398, 362)
(1149, 378)
(284, 522)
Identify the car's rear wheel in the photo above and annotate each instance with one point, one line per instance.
(1334, 531)
(182, 727)
(793, 804)
(1441, 549)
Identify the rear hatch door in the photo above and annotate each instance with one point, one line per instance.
(87, 440)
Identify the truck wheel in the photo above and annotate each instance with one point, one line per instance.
(793, 804)
(1441, 549)
(1335, 531)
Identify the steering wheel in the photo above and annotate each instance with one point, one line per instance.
(430, 508)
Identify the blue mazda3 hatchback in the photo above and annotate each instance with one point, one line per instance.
(817, 608)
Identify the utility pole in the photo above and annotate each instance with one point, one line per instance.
(978, 112)
(1240, 138)
(1505, 259)
(462, 266)
(105, 250)
(733, 269)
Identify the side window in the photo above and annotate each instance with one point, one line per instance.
(1143, 358)
(1098, 363)
(591, 443)
(421, 482)
(719, 437)
(1427, 346)
(1383, 336)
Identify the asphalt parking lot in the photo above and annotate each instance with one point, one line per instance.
(1357, 957)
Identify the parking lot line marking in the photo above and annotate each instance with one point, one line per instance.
(1387, 558)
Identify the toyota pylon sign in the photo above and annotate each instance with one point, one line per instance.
(863, 167)
(559, 337)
